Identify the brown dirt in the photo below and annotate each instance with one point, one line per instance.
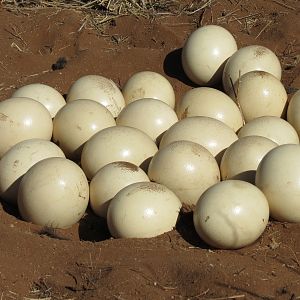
(83, 262)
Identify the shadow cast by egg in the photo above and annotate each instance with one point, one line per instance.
(10, 209)
(185, 227)
(93, 228)
(173, 67)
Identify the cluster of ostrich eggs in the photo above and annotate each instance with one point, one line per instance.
(138, 156)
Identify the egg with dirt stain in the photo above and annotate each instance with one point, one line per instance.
(210, 133)
(209, 102)
(117, 143)
(100, 89)
(109, 180)
(247, 59)
(143, 210)
(258, 94)
(148, 84)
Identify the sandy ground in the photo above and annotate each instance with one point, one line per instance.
(84, 262)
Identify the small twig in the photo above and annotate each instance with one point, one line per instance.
(199, 295)
(208, 3)
(284, 5)
(47, 298)
(248, 16)
(232, 86)
(37, 74)
(265, 27)
(294, 254)
(14, 45)
(83, 24)
(236, 94)
(89, 4)
(177, 24)
(16, 34)
(228, 14)
(155, 283)
(234, 18)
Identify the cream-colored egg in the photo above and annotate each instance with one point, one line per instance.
(186, 168)
(273, 128)
(143, 210)
(53, 193)
(149, 115)
(100, 89)
(22, 119)
(258, 94)
(241, 159)
(209, 102)
(118, 143)
(76, 122)
(278, 176)
(247, 59)
(148, 84)
(293, 113)
(18, 160)
(231, 214)
(44, 94)
(205, 53)
(109, 180)
(210, 133)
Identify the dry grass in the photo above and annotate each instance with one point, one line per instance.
(99, 12)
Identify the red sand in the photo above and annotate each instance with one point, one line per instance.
(83, 262)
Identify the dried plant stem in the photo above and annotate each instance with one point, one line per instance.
(284, 5)
(264, 28)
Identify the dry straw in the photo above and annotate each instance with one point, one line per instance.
(99, 12)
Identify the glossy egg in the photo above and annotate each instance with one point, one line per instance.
(247, 59)
(278, 176)
(241, 159)
(18, 160)
(148, 84)
(76, 122)
(205, 53)
(53, 193)
(149, 115)
(210, 133)
(143, 210)
(118, 143)
(44, 94)
(273, 128)
(22, 119)
(100, 89)
(231, 214)
(109, 180)
(186, 168)
(209, 102)
(260, 94)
